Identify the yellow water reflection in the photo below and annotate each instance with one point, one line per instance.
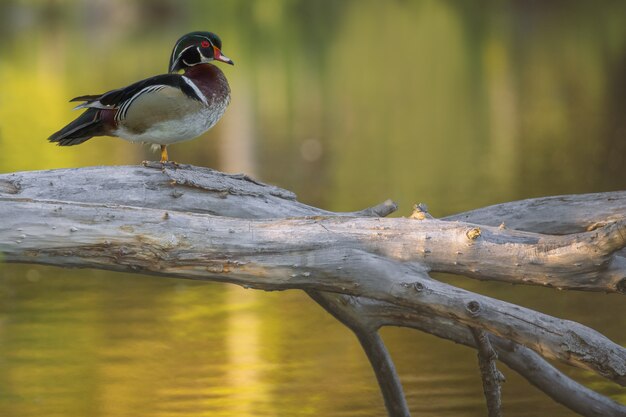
(76, 344)
(244, 360)
(348, 103)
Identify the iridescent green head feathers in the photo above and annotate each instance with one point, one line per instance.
(197, 48)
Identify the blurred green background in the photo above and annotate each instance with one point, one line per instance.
(458, 104)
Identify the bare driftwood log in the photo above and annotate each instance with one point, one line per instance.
(366, 271)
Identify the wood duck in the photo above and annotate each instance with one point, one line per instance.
(163, 109)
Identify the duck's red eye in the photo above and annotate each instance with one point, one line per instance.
(205, 44)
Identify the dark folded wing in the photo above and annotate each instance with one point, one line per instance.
(87, 98)
(116, 98)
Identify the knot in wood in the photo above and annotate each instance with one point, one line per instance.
(9, 187)
(418, 286)
(473, 233)
(473, 308)
(217, 268)
(621, 286)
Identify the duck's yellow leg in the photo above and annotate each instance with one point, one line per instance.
(164, 153)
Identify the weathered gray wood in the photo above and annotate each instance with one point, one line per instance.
(206, 191)
(556, 215)
(559, 215)
(489, 373)
(347, 255)
(540, 260)
(172, 187)
(526, 362)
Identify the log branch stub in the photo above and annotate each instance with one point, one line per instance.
(420, 212)
(383, 209)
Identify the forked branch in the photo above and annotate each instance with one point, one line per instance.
(170, 222)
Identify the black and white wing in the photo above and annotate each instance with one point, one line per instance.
(123, 97)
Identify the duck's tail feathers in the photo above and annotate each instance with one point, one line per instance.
(86, 126)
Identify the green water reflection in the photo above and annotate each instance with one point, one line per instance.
(456, 104)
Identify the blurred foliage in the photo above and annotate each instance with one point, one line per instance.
(454, 103)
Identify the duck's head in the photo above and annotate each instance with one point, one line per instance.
(197, 48)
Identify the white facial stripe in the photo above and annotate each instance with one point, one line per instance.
(203, 59)
(179, 55)
(183, 51)
(196, 90)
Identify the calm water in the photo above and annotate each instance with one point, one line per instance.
(347, 103)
